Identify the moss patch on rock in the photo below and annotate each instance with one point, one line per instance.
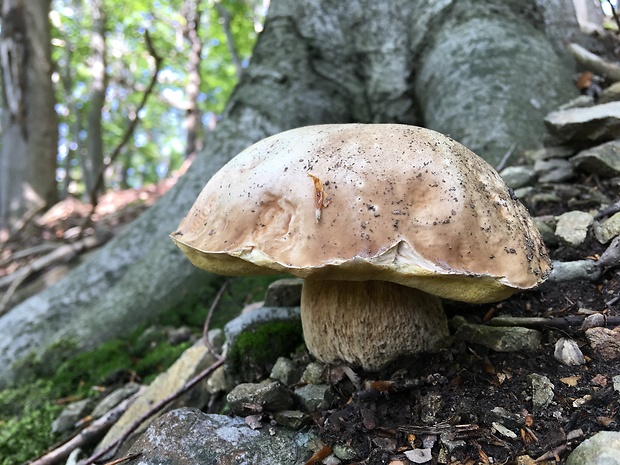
(255, 350)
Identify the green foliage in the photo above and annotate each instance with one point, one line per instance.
(158, 145)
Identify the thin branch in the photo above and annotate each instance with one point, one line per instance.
(613, 12)
(133, 123)
(230, 40)
(205, 331)
(88, 435)
(504, 160)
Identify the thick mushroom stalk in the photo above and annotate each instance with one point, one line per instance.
(369, 323)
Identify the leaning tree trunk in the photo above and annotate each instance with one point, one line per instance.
(29, 120)
(320, 61)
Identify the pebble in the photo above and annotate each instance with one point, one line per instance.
(518, 176)
(284, 293)
(572, 271)
(313, 374)
(542, 391)
(611, 256)
(601, 449)
(501, 429)
(572, 227)
(605, 342)
(602, 160)
(269, 395)
(114, 398)
(500, 338)
(596, 123)
(315, 397)
(608, 229)
(70, 415)
(285, 371)
(294, 419)
(554, 170)
(567, 352)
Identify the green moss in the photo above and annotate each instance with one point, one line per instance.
(26, 414)
(158, 359)
(254, 352)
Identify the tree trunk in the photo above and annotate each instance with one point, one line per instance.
(320, 61)
(92, 162)
(30, 123)
(193, 123)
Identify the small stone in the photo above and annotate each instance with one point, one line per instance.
(572, 227)
(313, 374)
(178, 335)
(568, 353)
(601, 449)
(547, 152)
(542, 391)
(254, 421)
(294, 419)
(608, 229)
(546, 226)
(114, 398)
(593, 321)
(518, 176)
(70, 415)
(285, 371)
(344, 452)
(554, 170)
(284, 293)
(315, 397)
(501, 429)
(599, 122)
(217, 381)
(251, 398)
(587, 270)
(616, 381)
(602, 160)
(419, 455)
(611, 256)
(605, 342)
(500, 338)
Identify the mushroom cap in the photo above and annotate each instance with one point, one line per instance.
(367, 201)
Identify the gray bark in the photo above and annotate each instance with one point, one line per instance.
(317, 61)
(29, 120)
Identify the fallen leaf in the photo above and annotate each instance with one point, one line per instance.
(600, 380)
(570, 380)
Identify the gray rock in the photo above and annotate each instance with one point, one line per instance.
(499, 338)
(70, 415)
(268, 395)
(114, 398)
(572, 227)
(608, 229)
(599, 122)
(554, 170)
(315, 397)
(284, 293)
(605, 342)
(313, 374)
(344, 452)
(611, 256)
(616, 381)
(603, 160)
(285, 371)
(542, 391)
(547, 152)
(294, 419)
(189, 436)
(257, 317)
(571, 271)
(601, 449)
(567, 352)
(546, 226)
(518, 176)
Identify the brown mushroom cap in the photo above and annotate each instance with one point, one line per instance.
(367, 202)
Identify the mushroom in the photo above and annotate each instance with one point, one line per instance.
(381, 221)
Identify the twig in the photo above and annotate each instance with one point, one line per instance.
(595, 63)
(613, 12)
(219, 360)
(205, 330)
(133, 123)
(62, 253)
(25, 253)
(504, 160)
(88, 435)
(562, 323)
(23, 222)
(112, 448)
(124, 459)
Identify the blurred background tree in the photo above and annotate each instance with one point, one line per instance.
(111, 121)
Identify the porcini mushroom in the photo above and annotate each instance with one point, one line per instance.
(381, 220)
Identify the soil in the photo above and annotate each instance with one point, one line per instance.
(449, 401)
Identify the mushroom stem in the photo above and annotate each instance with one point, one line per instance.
(369, 323)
